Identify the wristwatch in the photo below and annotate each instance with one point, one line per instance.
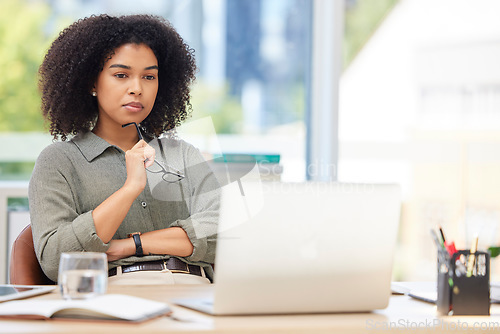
(138, 243)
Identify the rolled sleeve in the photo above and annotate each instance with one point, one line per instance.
(201, 229)
(200, 245)
(56, 223)
(85, 233)
(203, 203)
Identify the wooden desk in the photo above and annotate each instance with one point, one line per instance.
(402, 315)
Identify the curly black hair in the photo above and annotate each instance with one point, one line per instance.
(75, 59)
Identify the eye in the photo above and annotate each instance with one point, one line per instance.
(149, 77)
(120, 75)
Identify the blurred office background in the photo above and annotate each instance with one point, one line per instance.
(404, 91)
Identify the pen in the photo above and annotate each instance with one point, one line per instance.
(449, 246)
(442, 234)
(460, 268)
(439, 245)
(472, 257)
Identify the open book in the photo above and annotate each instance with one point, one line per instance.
(105, 307)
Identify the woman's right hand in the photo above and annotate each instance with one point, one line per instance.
(138, 158)
(110, 214)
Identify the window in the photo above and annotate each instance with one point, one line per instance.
(253, 59)
(419, 106)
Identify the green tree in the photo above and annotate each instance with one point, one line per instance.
(362, 18)
(23, 42)
(226, 111)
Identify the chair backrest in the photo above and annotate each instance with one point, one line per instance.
(24, 266)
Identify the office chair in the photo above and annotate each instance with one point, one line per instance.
(24, 266)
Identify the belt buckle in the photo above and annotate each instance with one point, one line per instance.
(178, 271)
(165, 266)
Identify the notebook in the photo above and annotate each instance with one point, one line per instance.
(109, 307)
(303, 248)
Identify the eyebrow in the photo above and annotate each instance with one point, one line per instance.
(154, 67)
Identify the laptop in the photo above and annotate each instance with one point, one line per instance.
(303, 248)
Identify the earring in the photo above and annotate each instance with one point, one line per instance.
(94, 93)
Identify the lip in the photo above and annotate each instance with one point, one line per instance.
(133, 106)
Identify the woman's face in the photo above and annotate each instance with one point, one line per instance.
(126, 87)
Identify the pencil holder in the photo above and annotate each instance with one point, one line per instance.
(463, 283)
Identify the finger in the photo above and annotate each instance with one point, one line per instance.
(134, 157)
(148, 162)
(149, 156)
(140, 144)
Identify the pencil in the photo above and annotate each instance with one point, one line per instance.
(472, 257)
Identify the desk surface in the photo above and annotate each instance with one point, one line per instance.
(402, 315)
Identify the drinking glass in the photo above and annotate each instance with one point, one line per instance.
(83, 275)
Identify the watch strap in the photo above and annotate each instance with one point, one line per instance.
(138, 245)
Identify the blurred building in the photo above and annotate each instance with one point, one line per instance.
(420, 106)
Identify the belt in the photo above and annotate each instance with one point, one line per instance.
(173, 264)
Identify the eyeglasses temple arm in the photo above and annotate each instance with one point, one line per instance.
(136, 127)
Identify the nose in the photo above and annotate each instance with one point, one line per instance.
(135, 87)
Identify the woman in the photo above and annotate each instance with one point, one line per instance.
(106, 189)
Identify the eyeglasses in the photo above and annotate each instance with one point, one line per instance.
(156, 167)
(170, 177)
